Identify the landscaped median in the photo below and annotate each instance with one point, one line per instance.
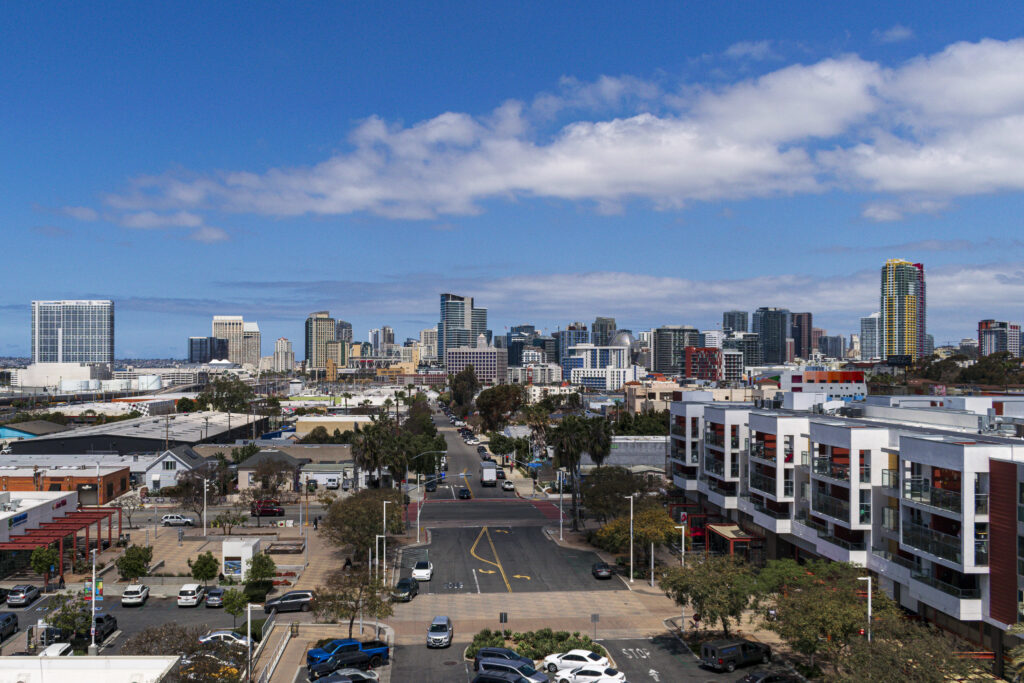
(535, 645)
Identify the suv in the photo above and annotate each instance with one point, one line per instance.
(500, 677)
(498, 653)
(190, 595)
(8, 624)
(513, 666)
(292, 601)
(22, 595)
(266, 508)
(726, 655)
(440, 632)
(106, 624)
(176, 520)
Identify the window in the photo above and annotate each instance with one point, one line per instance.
(170, 465)
(124, 483)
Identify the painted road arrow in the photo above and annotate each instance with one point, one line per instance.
(501, 531)
(486, 571)
(520, 576)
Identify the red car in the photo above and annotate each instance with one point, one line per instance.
(266, 508)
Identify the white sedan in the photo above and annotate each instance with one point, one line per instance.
(590, 674)
(507, 485)
(423, 570)
(135, 594)
(227, 637)
(573, 659)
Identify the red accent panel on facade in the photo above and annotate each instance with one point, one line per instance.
(1003, 540)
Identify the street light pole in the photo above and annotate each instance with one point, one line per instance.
(376, 550)
(384, 544)
(92, 648)
(868, 579)
(682, 544)
(204, 507)
(630, 538)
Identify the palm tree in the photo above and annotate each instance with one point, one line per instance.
(570, 439)
(599, 439)
(346, 396)
(538, 420)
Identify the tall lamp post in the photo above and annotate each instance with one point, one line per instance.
(384, 543)
(92, 648)
(417, 480)
(630, 537)
(682, 544)
(376, 550)
(248, 644)
(868, 579)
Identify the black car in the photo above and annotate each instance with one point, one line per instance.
(726, 655)
(8, 624)
(106, 624)
(406, 589)
(292, 601)
(498, 653)
(431, 485)
(464, 494)
(343, 660)
(481, 449)
(767, 677)
(602, 570)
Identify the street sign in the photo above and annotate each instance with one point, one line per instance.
(683, 517)
(594, 618)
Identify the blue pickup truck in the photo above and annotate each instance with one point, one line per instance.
(376, 652)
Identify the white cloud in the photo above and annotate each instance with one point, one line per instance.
(938, 127)
(208, 235)
(761, 49)
(82, 213)
(896, 33)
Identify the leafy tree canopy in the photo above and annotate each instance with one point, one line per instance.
(134, 562)
(356, 520)
(498, 404)
(718, 588)
(604, 491)
(646, 423)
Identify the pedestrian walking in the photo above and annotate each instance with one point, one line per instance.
(316, 523)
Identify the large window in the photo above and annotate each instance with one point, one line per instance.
(170, 465)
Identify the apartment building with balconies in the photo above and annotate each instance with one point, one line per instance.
(686, 432)
(778, 444)
(726, 441)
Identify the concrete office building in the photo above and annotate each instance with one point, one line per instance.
(343, 331)
(734, 321)
(251, 344)
(747, 343)
(573, 335)
(243, 338)
(73, 331)
(998, 337)
(602, 330)
(490, 364)
(870, 336)
(460, 323)
(833, 346)
(903, 309)
(711, 339)
(320, 329)
(202, 350)
(603, 368)
(803, 342)
(428, 343)
(774, 325)
(284, 356)
(668, 344)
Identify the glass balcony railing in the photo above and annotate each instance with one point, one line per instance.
(921, 491)
(714, 466)
(891, 479)
(828, 505)
(776, 514)
(981, 552)
(946, 546)
(720, 488)
(826, 468)
(679, 430)
(948, 588)
(865, 474)
(817, 526)
(895, 558)
(981, 503)
(843, 543)
(758, 450)
(787, 488)
(763, 483)
(715, 439)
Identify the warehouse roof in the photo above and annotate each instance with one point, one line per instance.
(191, 427)
(37, 427)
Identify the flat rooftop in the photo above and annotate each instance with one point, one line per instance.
(190, 427)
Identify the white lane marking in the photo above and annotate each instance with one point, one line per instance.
(476, 580)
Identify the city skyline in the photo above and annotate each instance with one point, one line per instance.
(786, 153)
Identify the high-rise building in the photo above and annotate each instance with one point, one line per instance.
(803, 326)
(833, 346)
(284, 356)
(343, 331)
(996, 336)
(774, 327)
(251, 344)
(903, 309)
(428, 343)
(703, 363)
(206, 349)
(870, 336)
(573, 335)
(603, 368)
(668, 344)
(602, 330)
(230, 327)
(711, 339)
(734, 321)
(489, 364)
(746, 343)
(336, 353)
(320, 329)
(79, 331)
(816, 334)
(387, 336)
(460, 323)
(549, 345)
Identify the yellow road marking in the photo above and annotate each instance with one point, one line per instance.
(501, 531)
(520, 576)
(486, 571)
(496, 563)
(466, 483)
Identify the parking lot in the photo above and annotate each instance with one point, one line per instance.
(505, 559)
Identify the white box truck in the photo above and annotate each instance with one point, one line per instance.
(488, 476)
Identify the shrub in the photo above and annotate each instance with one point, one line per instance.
(533, 644)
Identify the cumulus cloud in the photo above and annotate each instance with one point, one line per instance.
(760, 49)
(208, 235)
(896, 33)
(82, 213)
(935, 127)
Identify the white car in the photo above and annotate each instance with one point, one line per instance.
(227, 637)
(135, 594)
(423, 570)
(573, 659)
(590, 674)
(191, 595)
(176, 520)
(507, 485)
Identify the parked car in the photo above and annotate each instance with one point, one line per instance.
(350, 675)
(266, 508)
(499, 473)
(405, 590)
(512, 666)
(431, 485)
(602, 570)
(176, 520)
(767, 677)
(590, 674)
(573, 659)
(106, 624)
(423, 570)
(440, 633)
(227, 637)
(57, 650)
(3, 594)
(507, 485)
(292, 601)
(481, 449)
(215, 597)
(22, 595)
(376, 651)
(499, 677)
(135, 594)
(464, 494)
(726, 655)
(8, 624)
(352, 659)
(190, 595)
(498, 653)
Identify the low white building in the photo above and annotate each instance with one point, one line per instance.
(104, 669)
(236, 556)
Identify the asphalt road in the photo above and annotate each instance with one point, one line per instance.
(431, 665)
(463, 459)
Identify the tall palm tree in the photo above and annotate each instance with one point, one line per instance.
(346, 396)
(599, 439)
(569, 440)
(538, 420)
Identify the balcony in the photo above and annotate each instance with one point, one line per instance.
(891, 479)
(826, 468)
(948, 588)
(758, 451)
(787, 488)
(831, 506)
(843, 543)
(804, 519)
(679, 430)
(921, 491)
(762, 483)
(714, 466)
(774, 514)
(715, 439)
(895, 558)
(717, 487)
(981, 503)
(981, 552)
(936, 543)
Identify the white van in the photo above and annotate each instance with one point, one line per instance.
(191, 595)
(331, 483)
(57, 650)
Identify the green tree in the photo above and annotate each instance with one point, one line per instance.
(129, 505)
(134, 562)
(717, 588)
(243, 453)
(598, 439)
(605, 489)
(70, 612)
(356, 520)
(234, 603)
(347, 595)
(651, 524)
(645, 423)
(44, 561)
(570, 439)
(497, 404)
(227, 394)
(229, 519)
(205, 568)
(375, 446)
(464, 386)
(185, 405)
(261, 568)
(198, 661)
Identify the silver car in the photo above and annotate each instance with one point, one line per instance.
(440, 632)
(22, 595)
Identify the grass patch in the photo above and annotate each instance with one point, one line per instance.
(534, 644)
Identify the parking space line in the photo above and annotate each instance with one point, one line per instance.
(476, 581)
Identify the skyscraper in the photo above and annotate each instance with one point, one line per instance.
(428, 342)
(746, 343)
(996, 336)
(774, 327)
(903, 309)
(284, 357)
(668, 347)
(343, 331)
(251, 343)
(320, 329)
(230, 327)
(460, 323)
(479, 325)
(833, 346)
(575, 333)
(73, 331)
(601, 332)
(387, 337)
(803, 325)
(735, 321)
(206, 349)
(870, 334)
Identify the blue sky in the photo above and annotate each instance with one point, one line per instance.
(652, 161)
